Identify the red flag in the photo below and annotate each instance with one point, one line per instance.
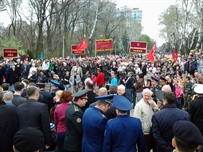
(26, 56)
(151, 53)
(82, 45)
(175, 54)
(52, 55)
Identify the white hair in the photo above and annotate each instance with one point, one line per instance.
(121, 86)
(87, 79)
(8, 96)
(166, 88)
(147, 91)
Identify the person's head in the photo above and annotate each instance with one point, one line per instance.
(28, 139)
(66, 96)
(75, 73)
(121, 89)
(130, 74)
(25, 82)
(187, 79)
(162, 81)
(87, 79)
(187, 137)
(32, 92)
(67, 73)
(18, 87)
(147, 94)
(102, 91)
(81, 97)
(154, 81)
(112, 74)
(145, 77)
(104, 102)
(33, 64)
(89, 85)
(166, 88)
(54, 84)
(58, 95)
(8, 96)
(113, 89)
(5, 86)
(169, 98)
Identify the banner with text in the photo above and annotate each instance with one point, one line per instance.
(104, 45)
(10, 53)
(138, 47)
(74, 50)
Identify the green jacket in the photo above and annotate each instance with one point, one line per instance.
(73, 119)
(51, 66)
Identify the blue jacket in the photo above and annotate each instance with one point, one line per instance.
(162, 127)
(194, 65)
(123, 133)
(93, 124)
(114, 81)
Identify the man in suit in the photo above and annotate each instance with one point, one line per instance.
(78, 70)
(25, 68)
(73, 118)
(94, 123)
(74, 82)
(164, 120)
(123, 133)
(35, 114)
(18, 90)
(8, 127)
(47, 95)
(90, 94)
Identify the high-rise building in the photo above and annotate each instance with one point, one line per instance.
(134, 13)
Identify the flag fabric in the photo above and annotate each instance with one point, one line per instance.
(175, 54)
(26, 56)
(152, 52)
(171, 55)
(52, 56)
(41, 57)
(82, 45)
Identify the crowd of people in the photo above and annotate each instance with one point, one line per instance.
(104, 103)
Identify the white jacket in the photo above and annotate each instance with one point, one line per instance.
(144, 112)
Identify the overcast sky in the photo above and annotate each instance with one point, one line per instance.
(151, 10)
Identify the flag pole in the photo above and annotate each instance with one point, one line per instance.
(63, 47)
(95, 49)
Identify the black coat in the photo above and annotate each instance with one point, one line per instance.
(17, 100)
(13, 75)
(35, 114)
(47, 98)
(73, 118)
(162, 127)
(91, 99)
(8, 127)
(196, 113)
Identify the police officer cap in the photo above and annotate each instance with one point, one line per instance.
(40, 85)
(106, 98)
(155, 79)
(28, 139)
(159, 95)
(54, 82)
(122, 103)
(162, 78)
(81, 94)
(187, 132)
(199, 89)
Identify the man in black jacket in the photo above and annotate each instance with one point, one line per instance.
(34, 114)
(8, 127)
(18, 90)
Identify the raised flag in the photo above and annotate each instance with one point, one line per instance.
(52, 56)
(152, 52)
(41, 56)
(175, 54)
(26, 56)
(82, 45)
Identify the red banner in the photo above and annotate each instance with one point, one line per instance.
(10, 53)
(104, 45)
(138, 47)
(75, 51)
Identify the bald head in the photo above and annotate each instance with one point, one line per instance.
(102, 91)
(166, 88)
